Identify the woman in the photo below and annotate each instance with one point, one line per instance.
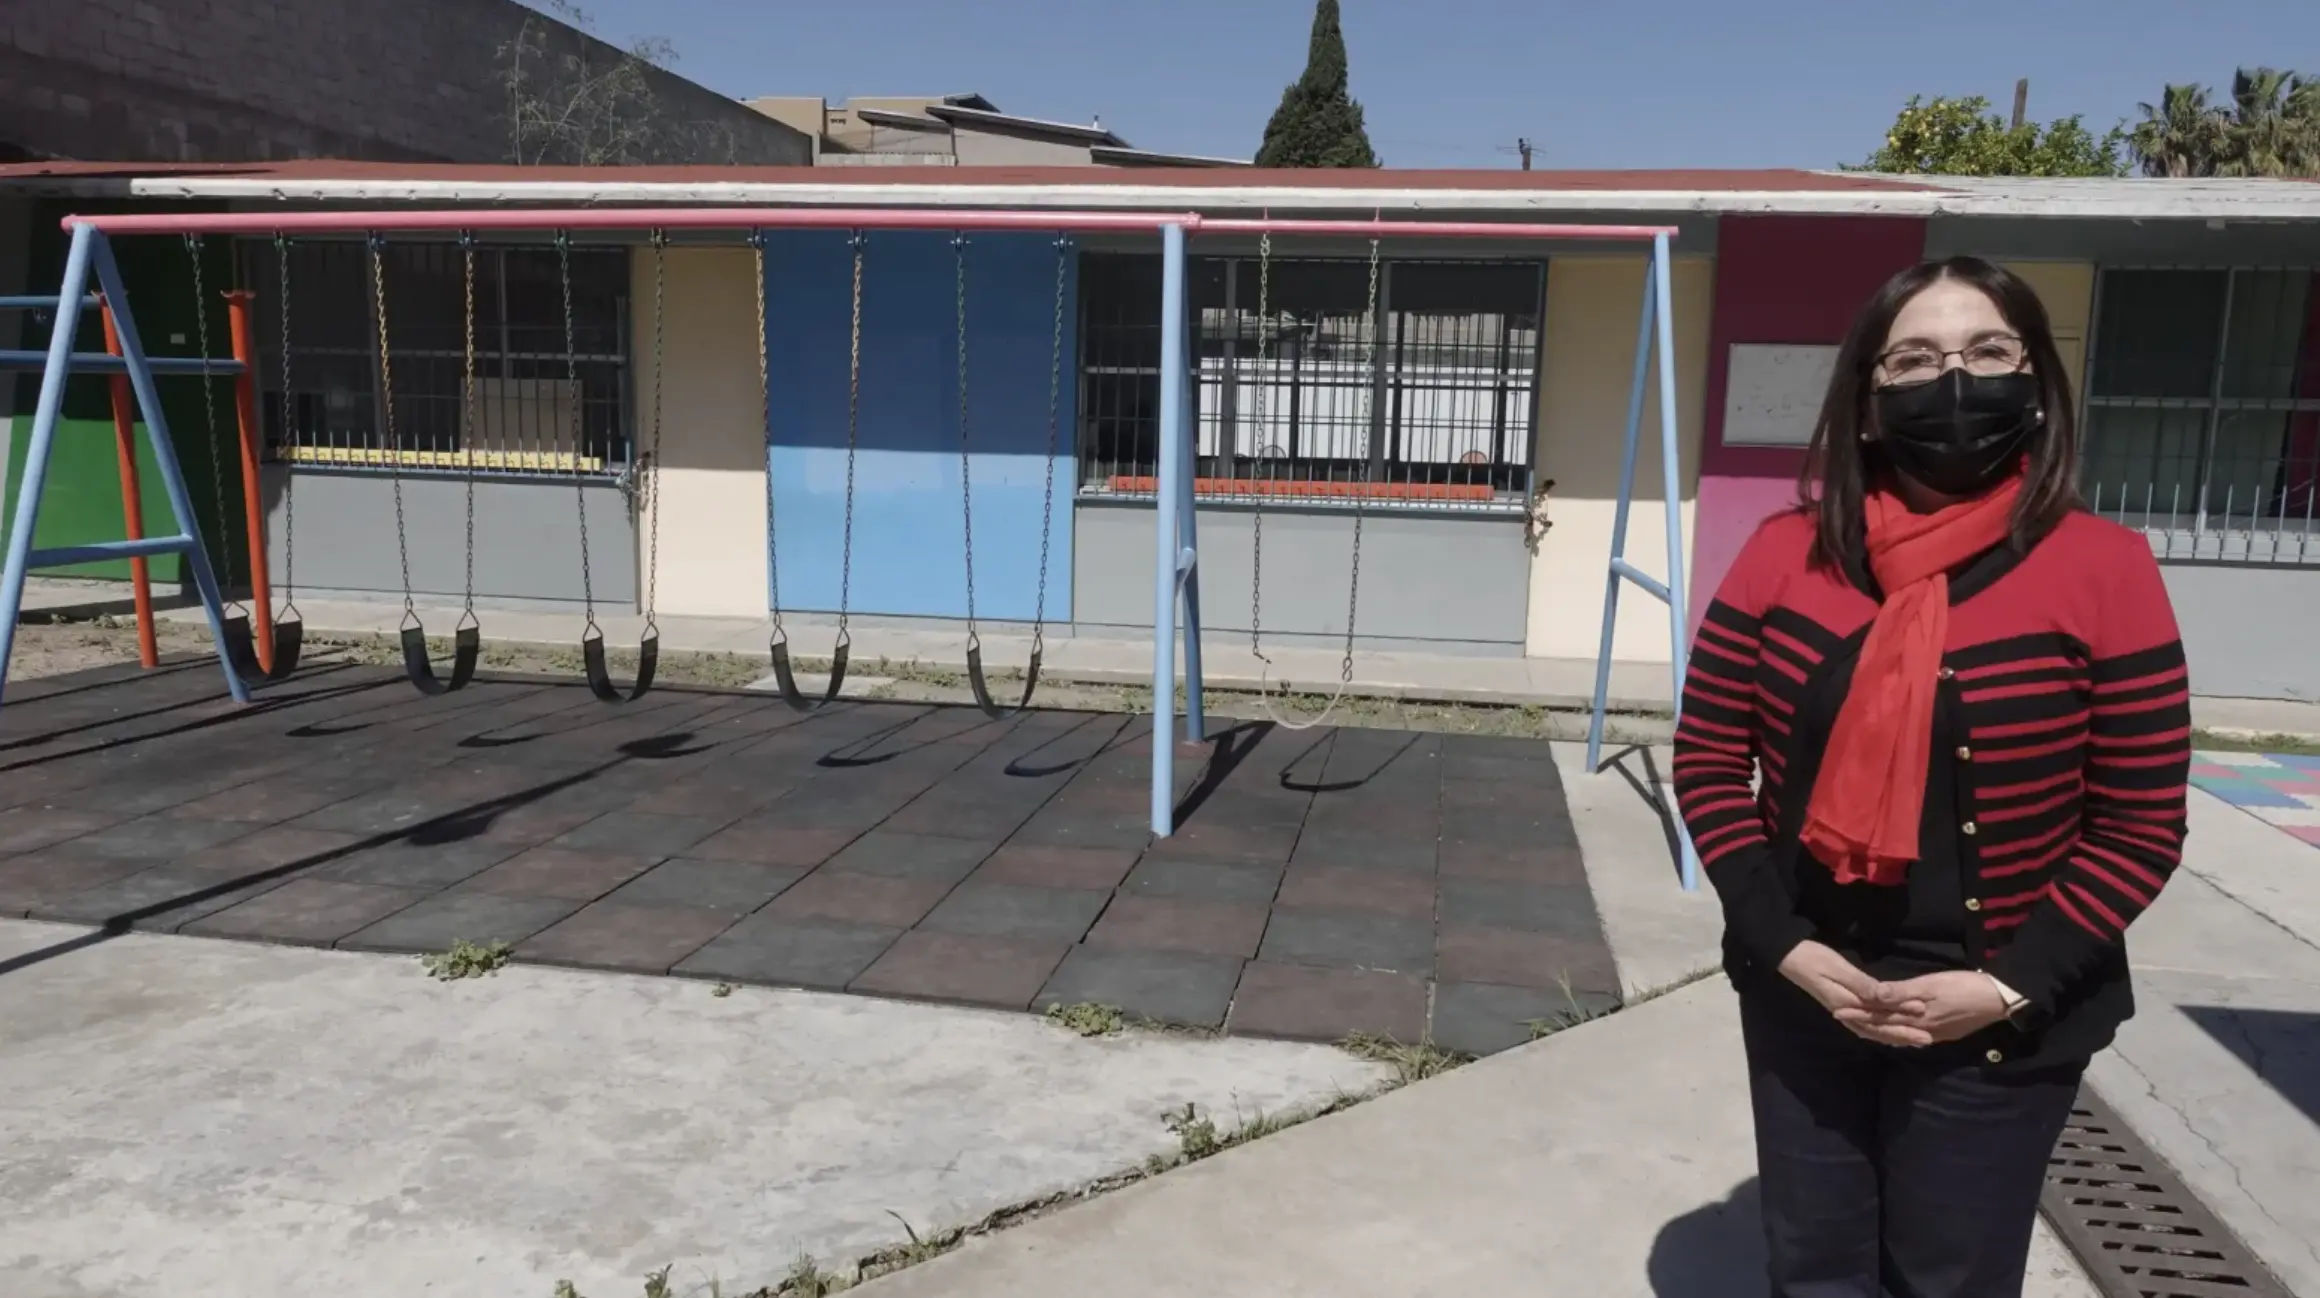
(1966, 700)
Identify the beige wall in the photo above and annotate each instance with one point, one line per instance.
(980, 146)
(2067, 289)
(1593, 309)
(711, 486)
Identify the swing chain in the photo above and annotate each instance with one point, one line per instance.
(289, 436)
(765, 430)
(860, 243)
(577, 428)
(217, 472)
(1360, 498)
(378, 244)
(1265, 379)
(652, 459)
(966, 480)
(1047, 466)
(474, 424)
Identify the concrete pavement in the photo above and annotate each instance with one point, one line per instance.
(2220, 1069)
(192, 1117)
(1612, 1161)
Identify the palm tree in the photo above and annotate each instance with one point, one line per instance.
(2303, 115)
(2182, 136)
(2263, 139)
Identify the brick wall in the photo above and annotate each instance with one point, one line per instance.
(235, 80)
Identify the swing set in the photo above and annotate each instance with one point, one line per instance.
(252, 658)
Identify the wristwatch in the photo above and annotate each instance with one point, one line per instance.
(2015, 1002)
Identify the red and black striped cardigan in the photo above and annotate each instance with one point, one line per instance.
(2064, 712)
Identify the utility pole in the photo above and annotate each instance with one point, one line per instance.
(2021, 101)
(1523, 147)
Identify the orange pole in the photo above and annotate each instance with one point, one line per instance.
(132, 500)
(253, 495)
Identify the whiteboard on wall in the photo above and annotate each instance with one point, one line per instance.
(1773, 391)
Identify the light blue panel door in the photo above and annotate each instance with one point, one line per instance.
(909, 546)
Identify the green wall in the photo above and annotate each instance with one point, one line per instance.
(82, 501)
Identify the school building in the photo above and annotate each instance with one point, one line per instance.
(1466, 398)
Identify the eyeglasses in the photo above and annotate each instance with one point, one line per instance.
(1915, 363)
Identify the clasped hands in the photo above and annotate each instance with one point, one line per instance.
(1936, 1007)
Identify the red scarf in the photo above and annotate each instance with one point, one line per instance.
(1863, 818)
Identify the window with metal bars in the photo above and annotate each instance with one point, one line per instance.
(2203, 410)
(1299, 394)
(526, 403)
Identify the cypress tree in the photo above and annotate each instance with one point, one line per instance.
(1319, 124)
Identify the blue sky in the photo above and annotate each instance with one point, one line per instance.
(1452, 83)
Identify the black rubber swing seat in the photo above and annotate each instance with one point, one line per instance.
(785, 677)
(600, 682)
(242, 649)
(466, 648)
(982, 688)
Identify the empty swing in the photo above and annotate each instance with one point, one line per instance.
(467, 639)
(1266, 695)
(975, 677)
(648, 650)
(234, 623)
(784, 675)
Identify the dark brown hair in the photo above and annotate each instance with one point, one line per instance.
(1836, 475)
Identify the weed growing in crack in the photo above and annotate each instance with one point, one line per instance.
(1088, 1019)
(466, 959)
(807, 1279)
(1196, 1134)
(1410, 1063)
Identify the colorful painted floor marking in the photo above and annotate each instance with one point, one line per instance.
(2280, 789)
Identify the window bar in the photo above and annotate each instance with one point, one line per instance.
(1499, 394)
(1397, 417)
(1228, 414)
(2215, 406)
(1292, 340)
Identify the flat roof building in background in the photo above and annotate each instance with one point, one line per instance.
(956, 131)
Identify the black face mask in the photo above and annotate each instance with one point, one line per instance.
(1959, 434)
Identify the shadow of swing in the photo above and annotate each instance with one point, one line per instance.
(1330, 742)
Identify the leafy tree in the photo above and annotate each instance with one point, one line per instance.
(574, 99)
(1319, 124)
(2182, 136)
(1962, 137)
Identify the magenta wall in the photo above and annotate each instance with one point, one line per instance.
(1779, 279)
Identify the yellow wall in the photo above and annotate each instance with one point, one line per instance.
(1593, 309)
(712, 481)
(2067, 289)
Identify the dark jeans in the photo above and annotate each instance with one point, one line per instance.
(1892, 1173)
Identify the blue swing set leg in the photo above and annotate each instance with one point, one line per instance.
(90, 254)
(1658, 326)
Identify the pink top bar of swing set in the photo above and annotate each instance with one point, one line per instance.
(772, 218)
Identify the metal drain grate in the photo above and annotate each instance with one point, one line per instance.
(2134, 1225)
